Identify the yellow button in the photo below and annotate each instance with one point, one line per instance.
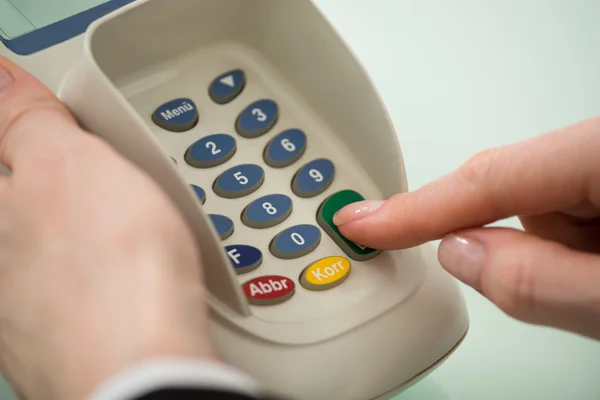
(325, 274)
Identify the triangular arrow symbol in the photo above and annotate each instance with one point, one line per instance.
(228, 80)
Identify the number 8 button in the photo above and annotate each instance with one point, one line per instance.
(267, 211)
(313, 178)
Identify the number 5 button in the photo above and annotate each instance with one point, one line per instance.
(313, 178)
(257, 119)
(239, 181)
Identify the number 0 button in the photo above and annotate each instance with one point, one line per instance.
(257, 119)
(239, 181)
(211, 151)
(313, 178)
(296, 242)
(267, 211)
(285, 148)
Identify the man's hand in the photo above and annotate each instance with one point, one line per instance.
(97, 268)
(549, 274)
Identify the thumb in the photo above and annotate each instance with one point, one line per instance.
(531, 279)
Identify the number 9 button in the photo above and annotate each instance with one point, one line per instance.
(313, 178)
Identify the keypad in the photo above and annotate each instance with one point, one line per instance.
(244, 258)
(313, 178)
(223, 225)
(285, 148)
(284, 151)
(177, 115)
(267, 211)
(257, 119)
(227, 86)
(296, 242)
(211, 151)
(239, 181)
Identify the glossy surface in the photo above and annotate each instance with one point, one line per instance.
(177, 115)
(269, 290)
(267, 211)
(313, 178)
(285, 148)
(296, 241)
(325, 273)
(227, 86)
(244, 258)
(211, 151)
(257, 119)
(223, 225)
(239, 181)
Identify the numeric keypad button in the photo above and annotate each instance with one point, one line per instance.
(267, 211)
(244, 258)
(239, 181)
(313, 178)
(285, 149)
(223, 225)
(200, 193)
(211, 151)
(177, 115)
(257, 119)
(296, 242)
(226, 87)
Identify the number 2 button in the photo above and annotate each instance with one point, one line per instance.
(239, 181)
(313, 178)
(257, 119)
(211, 151)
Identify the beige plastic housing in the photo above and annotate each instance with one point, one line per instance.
(397, 316)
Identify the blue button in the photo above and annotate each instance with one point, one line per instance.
(267, 211)
(285, 148)
(313, 178)
(296, 241)
(200, 193)
(226, 87)
(244, 258)
(257, 119)
(177, 115)
(211, 151)
(239, 181)
(223, 225)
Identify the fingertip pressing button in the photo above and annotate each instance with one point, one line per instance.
(200, 193)
(285, 149)
(325, 214)
(325, 273)
(267, 211)
(269, 290)
(313, 178)
(226, 87)
(177, 115)
(257, 119)
(295, 242)
(239, 181)
(244, 258)
(223, 225)
(211, 151)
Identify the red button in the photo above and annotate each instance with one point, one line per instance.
(269, 290)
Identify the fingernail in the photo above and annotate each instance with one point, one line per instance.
(463, 257)
(5, 78)
(356, 211)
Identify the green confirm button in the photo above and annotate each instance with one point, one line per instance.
(332, 205)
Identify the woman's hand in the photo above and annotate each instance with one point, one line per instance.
(549, 274)
(97, 268)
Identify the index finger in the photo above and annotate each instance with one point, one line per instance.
(552, 172)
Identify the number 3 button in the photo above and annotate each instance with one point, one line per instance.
(313, 178)
(257, 119)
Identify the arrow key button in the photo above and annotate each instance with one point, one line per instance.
(227, 86)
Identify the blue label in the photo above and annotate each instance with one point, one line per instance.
(297, 239)
(240, 178)
(177, 112)
(212, 148)
(221, 223)
(314, 176)
(287, 146)
(269, 208)
(258, 116)
(243, 257)
(200, 193)
(228, 84)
